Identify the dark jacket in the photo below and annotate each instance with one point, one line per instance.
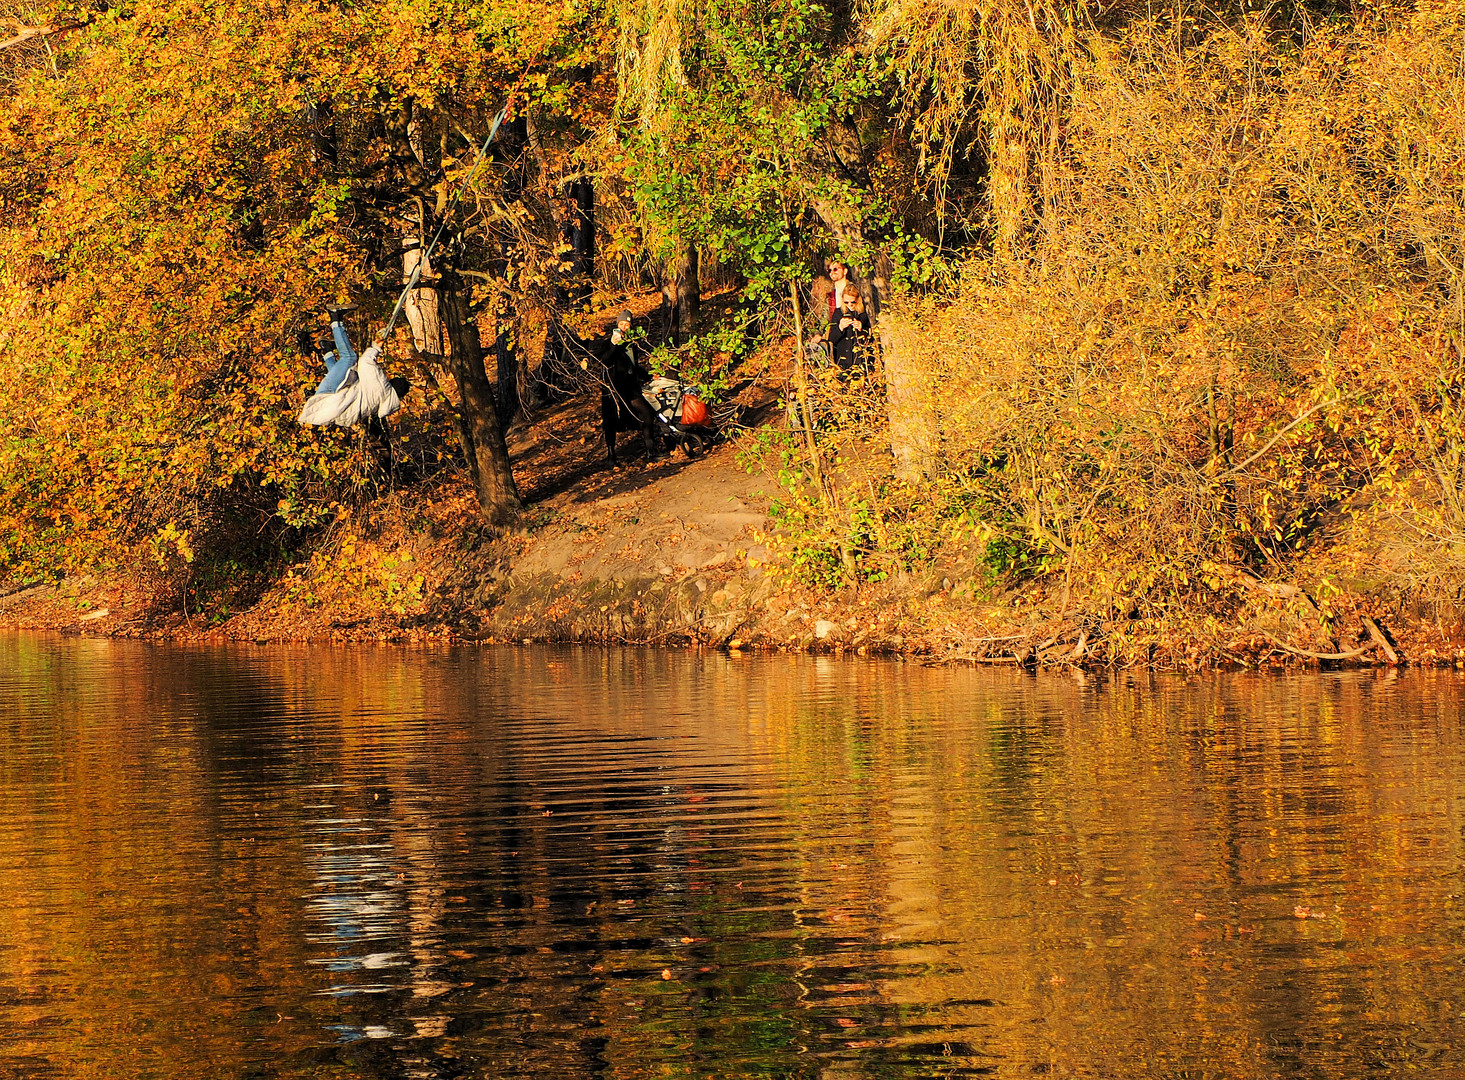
(624, 370)
(850, 346)
(622, 408)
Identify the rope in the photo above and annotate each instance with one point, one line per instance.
(447, 214)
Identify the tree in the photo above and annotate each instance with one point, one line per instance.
(183, 189)
(681, 292)
(747, 136)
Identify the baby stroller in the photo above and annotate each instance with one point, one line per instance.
(680, 414)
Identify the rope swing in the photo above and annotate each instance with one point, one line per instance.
(355, 388)
(413, 281)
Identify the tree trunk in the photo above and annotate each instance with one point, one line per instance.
(581, 229)
(801, 388)
(914, 432)
(421, 308)
(681, 294)
(321, 117)
(1008, 187)
(460, 425)
(498, 498)
(465, 443)
(506, 355)
(689, 289)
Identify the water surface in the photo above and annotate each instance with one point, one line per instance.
(291, 862)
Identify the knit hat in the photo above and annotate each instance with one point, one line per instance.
(624, 316)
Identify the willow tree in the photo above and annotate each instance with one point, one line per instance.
(656, 40)
(989, 76)
(756, 132)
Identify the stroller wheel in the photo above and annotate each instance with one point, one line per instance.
(693, 445)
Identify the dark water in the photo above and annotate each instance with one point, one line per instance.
(371, 863)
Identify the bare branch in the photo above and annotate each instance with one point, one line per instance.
(1321, 405)
(28, 33)
(1318, 655)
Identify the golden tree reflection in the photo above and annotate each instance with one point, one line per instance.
(286, 862)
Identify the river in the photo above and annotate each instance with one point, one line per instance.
(276, 862)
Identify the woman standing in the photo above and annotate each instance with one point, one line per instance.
(849, 332)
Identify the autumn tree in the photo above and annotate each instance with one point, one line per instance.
(184, 188)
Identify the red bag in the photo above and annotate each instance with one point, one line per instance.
(694, 412)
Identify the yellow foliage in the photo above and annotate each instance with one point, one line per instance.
(1239, 324)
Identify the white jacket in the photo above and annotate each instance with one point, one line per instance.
(364, 394)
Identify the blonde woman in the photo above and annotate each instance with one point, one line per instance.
(849, 331)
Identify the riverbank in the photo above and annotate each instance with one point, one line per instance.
(685, 552)
(1193, 400)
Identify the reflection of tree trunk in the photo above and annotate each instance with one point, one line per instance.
(498, 498)
(681, 293)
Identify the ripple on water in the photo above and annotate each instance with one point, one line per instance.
(295, 862)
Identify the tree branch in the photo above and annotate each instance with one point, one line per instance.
(1319, 655)
(1278, 436)
(29, 32)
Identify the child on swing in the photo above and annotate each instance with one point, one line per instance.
(355, 388)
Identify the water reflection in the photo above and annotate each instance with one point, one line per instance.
(294, 863)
